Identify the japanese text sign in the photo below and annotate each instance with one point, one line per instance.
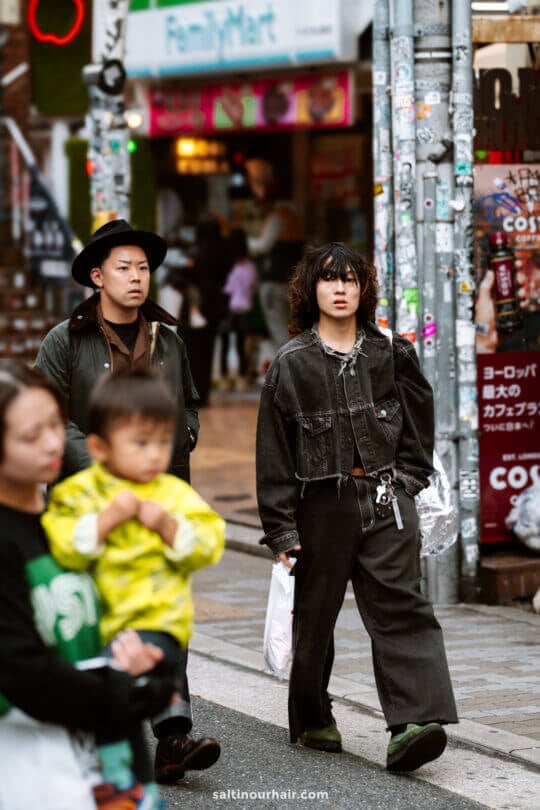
(509, 421)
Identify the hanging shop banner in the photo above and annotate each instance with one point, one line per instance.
(509, 421)
(49, 239)
(172, 39)
(507, 244)
(307, 101)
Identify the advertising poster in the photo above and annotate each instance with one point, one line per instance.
(507, 246)
(507, 317)
(509, 421)
(303, 101)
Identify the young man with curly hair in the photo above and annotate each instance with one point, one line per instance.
(344, 442)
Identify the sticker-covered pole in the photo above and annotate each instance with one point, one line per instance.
(467, 403)
(382, 166)
(108, 162)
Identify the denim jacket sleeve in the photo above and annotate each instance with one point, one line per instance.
(414, 456)
(277, 486)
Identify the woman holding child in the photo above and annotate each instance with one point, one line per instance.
(49, 621)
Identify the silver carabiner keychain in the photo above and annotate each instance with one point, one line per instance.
(386, 501)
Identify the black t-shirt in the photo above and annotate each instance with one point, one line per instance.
(32, 676)
(357, 461)
(127, 332)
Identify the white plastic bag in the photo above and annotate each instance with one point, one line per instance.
(277, 644)
(42, 766)
(438, 523)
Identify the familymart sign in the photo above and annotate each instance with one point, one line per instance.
(168, 38)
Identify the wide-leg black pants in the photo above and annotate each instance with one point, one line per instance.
(342, 540)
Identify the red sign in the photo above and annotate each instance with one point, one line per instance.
(509, 421)
(56, 39)
(314, 101)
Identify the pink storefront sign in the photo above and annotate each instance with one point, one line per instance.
(314, 102)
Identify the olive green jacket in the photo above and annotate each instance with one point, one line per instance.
(76, 352)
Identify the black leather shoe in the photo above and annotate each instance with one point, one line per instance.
(179, 753)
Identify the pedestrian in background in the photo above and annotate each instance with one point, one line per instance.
(204, 304)
(240, 287)
(276, 248)
(141, 534)
(344, 442)
(48, 623)
(120, 327)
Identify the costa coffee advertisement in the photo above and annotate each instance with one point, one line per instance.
(509, 421)
(302, 101)
(507, 245)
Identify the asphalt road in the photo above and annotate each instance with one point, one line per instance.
(260, 770)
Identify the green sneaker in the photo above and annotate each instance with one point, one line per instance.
(323, 739)
(415, 746)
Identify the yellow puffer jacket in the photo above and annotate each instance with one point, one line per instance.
(142, 582)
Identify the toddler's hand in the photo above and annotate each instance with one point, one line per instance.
(125, 505)
(152, 515)
(133, 655)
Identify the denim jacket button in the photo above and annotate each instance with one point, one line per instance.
(382, 412)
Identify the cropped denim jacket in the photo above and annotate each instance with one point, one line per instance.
(390, 408)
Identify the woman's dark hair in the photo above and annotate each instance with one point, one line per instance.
(238, 246)
(15, 377)
(117, 398)
(334, 260)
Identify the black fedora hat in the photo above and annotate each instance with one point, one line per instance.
(113, 234)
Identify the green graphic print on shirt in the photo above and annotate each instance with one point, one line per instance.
(65, 611)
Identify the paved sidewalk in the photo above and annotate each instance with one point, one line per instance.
(493, 652)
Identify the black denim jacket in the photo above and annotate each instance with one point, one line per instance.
(390, 406)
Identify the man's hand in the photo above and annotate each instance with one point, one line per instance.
(123, 506)
(284, 556)
(154, 517)
(133, 655)
(487, 338)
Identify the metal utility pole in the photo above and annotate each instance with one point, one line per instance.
(433, 77)
(382, 165)
(432, 261)
(108, 157)
(404, 146)
(467, 404)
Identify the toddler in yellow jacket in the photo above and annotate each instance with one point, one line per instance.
(140, 532)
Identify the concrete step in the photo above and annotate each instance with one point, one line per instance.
(505, 577)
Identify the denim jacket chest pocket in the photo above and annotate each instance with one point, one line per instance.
(389, 420)
(313, 446)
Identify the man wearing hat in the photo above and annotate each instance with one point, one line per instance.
(115, 328)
